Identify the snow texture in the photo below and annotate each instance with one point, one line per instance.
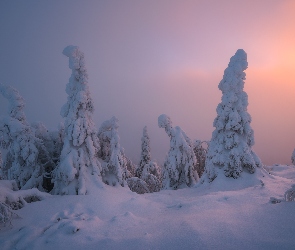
(79, 164)
(180, 163)
(224, 214)
(21, 162)
(230, 151)
(290, 194)
(114, 169)
(12, 199)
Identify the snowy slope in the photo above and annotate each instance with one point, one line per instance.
(227, 214)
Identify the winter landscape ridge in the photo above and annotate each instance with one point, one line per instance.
(221, 197)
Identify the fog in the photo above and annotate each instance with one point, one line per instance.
(146, 58)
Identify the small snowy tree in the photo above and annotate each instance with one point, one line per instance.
(293, 157)
(79, 165)
(21, 162)
(181, 160)
(114, 170)
(49, 154)
(200, 152)
(152, 175)
(230, 147)
(148, 175)
(145, 156)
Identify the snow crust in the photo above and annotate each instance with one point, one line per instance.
(225, 214)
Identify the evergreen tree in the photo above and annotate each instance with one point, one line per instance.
(230, 147)
(21, 162)
(293, 157)
(200, 152)
(145, 156)
(114, 170)
(181, 160)
(79, 165)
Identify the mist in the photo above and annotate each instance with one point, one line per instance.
(146, 58)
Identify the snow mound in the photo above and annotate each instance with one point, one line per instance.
(222, 214)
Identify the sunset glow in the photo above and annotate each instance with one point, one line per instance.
(145, 58)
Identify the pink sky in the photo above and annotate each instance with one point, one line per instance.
(145, 58)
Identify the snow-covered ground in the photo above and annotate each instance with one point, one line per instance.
(226, 214)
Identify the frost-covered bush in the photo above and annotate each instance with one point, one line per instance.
(230, 149)
(181, 160)
(79, 165)
(290, 194)
(137, 185)
(145, 156)
(23, 147)
(152, 175)
(114, 170)
(200, 151)
(12, 199)
(293, 157)
(6, 214)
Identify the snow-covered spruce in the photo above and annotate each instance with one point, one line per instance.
(200, 149)
(152, 175)
(145, 156)
(53, 142)
(114, 169)
(180, 163)
(79, 167)
(230, 147)
(293, 157)
(148, 175)
(22, 162)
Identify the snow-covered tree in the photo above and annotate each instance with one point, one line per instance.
(200, 152)
(152, 175)
(181, 160)
(79, 167)
(293, 157)
(230, 149)
(148, 174)
(114, 170)
(51, 149)
(145, 156)
(21, 162)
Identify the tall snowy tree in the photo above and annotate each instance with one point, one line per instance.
(79, 168)
(114, 170)
(293, 157)
(145, 156)
(21, 162)
(230, 149)
(181, 160)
